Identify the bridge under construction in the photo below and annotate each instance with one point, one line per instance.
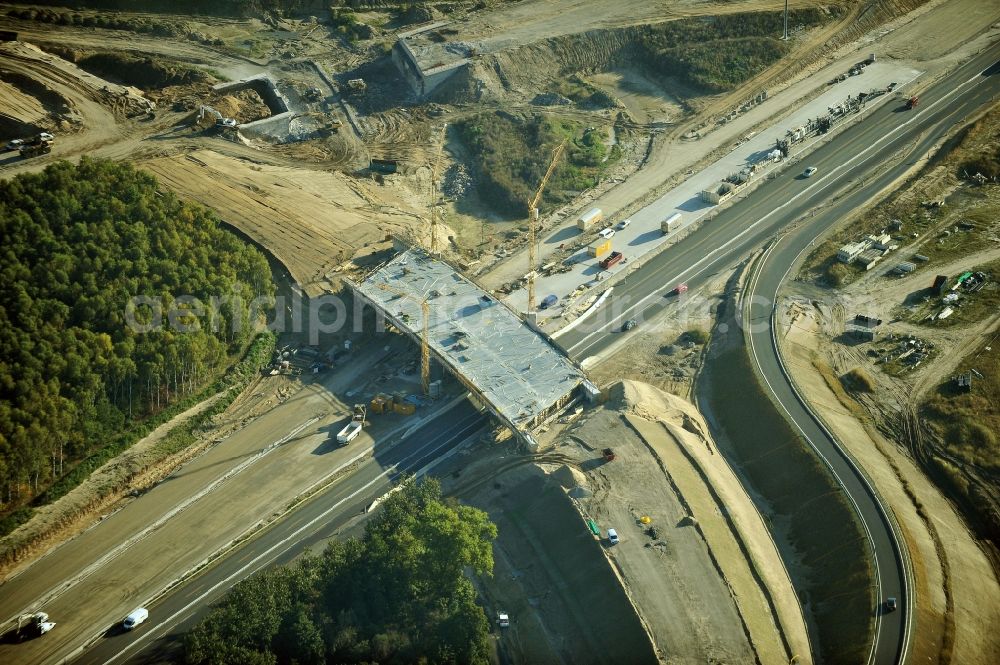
(514, 370)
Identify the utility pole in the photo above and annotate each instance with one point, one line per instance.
(785, 37)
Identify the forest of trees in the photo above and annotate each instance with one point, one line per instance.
(397, 595)
(78, 243)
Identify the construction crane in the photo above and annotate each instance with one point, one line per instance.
(425, 348)
(434, 200)
(533, 222)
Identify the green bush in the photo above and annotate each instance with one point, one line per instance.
(694, 336)
(718, 53)
(512, 155)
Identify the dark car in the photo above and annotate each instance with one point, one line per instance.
(629, 325)
(890, 604)
(548, 301)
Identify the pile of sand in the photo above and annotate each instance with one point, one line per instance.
(651, 403)
(243, 105)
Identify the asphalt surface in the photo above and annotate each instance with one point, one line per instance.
(318, 519)
(853, 164)
(852, 170)
(850, 160)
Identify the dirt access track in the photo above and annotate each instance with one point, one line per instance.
(65, 98)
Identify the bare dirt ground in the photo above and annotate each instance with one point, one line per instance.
(958, 593)
(76, 99)
(703, 573)
(285, 198)
(957, 585)
(311, 221)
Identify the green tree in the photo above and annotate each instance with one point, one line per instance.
(77, 242)
(397, 595)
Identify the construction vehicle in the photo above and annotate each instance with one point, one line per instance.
(33, 625)
(612, 260)
(912, 102)
(533, 223)
(425, 349)
(39, 145)
(352, 429)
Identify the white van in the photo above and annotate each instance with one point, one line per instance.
(135, 618)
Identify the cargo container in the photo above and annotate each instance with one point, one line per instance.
(589, 219)
(613, 259)
(599, 247)
(670, 223)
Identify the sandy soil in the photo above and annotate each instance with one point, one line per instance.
(100, 106)
(311, 221)
(708, 589)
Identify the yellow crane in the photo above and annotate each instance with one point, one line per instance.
(533, 222)
(434, 201)
(425, 348)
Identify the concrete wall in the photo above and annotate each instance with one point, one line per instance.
(422, 82)
(277, 126)
(264, 86)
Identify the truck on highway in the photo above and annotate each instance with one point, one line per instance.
(670, 223)
(613, 259)
(588, 219)
(33, 625)
(39, 145)
(912, 102)
(352, 429)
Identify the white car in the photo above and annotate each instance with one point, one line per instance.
(226, 122)
(622, 225)
(139, 615)
(612, 537)
(606, 233)
(808, 173)
(45, 136)
(14, 144)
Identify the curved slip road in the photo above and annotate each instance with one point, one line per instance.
(852, 170)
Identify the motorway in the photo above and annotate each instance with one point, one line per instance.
(318, 519)
(885, 134)
(853, 169)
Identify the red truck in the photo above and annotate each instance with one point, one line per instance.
(613, 259)
(912, 102)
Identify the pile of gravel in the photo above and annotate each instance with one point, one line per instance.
(457, 181)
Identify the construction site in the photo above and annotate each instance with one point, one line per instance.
(485, 178)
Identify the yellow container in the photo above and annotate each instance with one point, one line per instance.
(599, 247)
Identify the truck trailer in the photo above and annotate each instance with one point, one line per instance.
(589, 219)
(352, 429)
(670, 223)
